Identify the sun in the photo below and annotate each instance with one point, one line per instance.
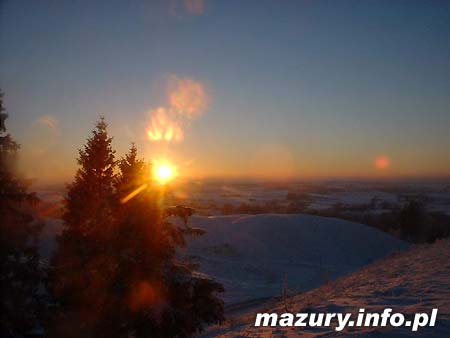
(164, 172)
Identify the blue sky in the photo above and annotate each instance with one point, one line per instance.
(295, 88)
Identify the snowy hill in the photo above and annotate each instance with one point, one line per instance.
(261, 256)
(413, 281)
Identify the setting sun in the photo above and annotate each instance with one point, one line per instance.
(164, 172)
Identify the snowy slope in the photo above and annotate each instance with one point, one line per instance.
(262, 256)
(259, 256)
(413, 281)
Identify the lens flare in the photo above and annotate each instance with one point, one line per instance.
(186, 100)
(382, 162)
(163, 127)
(187, 97)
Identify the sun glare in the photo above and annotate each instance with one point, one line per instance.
(164, 172)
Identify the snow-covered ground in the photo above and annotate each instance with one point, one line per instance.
(310, 263)
(262, 256)
(259, 258)
(416, 280)
(53, 228)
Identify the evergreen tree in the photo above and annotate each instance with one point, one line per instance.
(88, 201)
(163, 295)
(81, 264)
(413, 219)
(19, 230)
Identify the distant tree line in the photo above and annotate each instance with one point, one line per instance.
(412, 221)
(296, 203)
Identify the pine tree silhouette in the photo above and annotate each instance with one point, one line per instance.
(165, 296)
(19, 260)
(82, 264)
(89, 196)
